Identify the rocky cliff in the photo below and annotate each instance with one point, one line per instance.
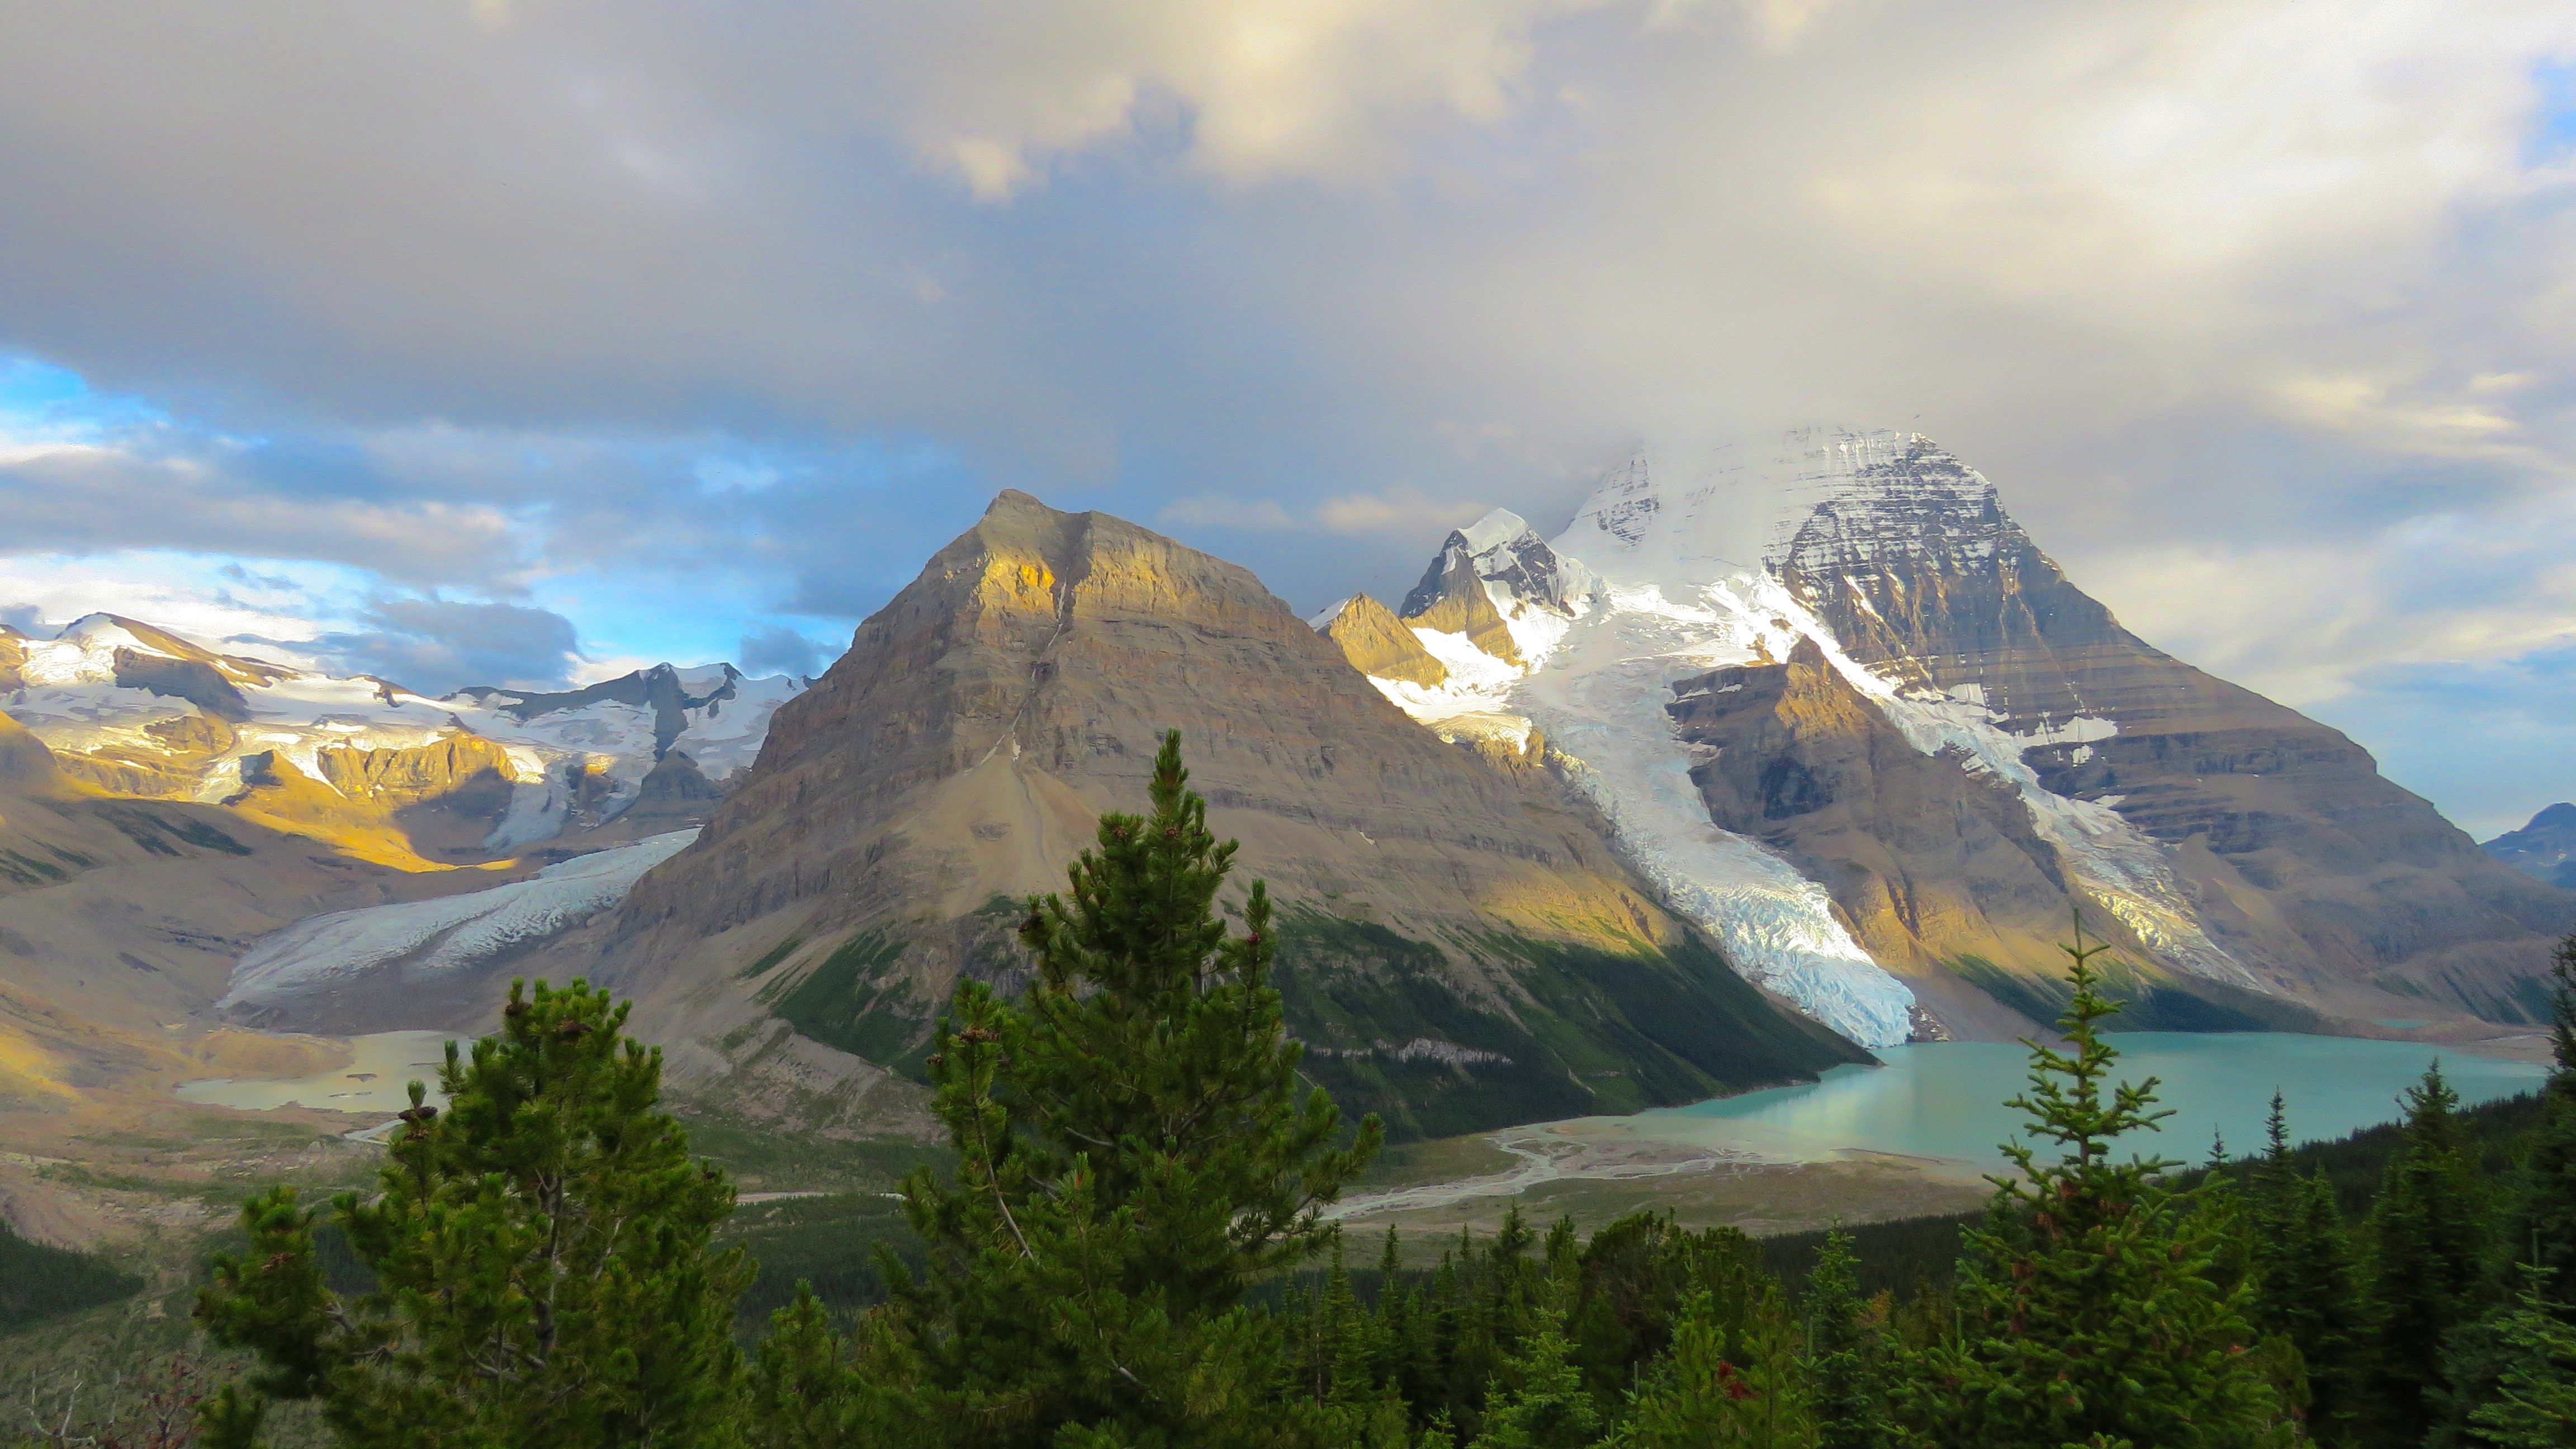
(1458, 946)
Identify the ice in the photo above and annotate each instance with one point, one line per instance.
(437, 937)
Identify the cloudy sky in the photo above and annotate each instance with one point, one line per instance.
(522, 340)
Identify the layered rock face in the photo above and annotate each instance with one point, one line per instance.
(1458, 945)
(1922, 747)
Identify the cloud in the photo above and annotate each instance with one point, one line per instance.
(505, 300)
(780, 650)
(439, 645)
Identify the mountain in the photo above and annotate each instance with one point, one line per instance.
(1457, 946)
(120, 921)
(1842, 710)
(385, 773)
(2545, 849)
(187, 835)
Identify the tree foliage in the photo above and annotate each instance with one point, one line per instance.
(542, 1255)
(1134, 1153)
(2088, 1302)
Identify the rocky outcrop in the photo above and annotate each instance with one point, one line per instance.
(1452, 599)
(1932, 862)
(956, 758)
(395, 777)
(2544, 850)
(1378, 644)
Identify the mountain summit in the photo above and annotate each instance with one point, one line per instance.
(1457, 945)
(1841, 708)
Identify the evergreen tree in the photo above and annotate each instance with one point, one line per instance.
(1723, 1388)
(541, 1255)
(2534, 1406)
(2428, 1263)
(2541, 1216)
(2307, 1287)
(1133, 1153)
(1847, 1362)
(2088, 1306)
(1539, 1400)
(2537, 1224)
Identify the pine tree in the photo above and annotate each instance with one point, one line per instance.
(542, 1258)
(2088, 1306)
(1847, 1362)
(1133, 1153)
(2428, 1261)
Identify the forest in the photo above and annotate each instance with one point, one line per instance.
(1128, 1251)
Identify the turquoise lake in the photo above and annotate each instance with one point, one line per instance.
(1946, 1099)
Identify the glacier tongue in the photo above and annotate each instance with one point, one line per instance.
(1600, 698)
(446, 934)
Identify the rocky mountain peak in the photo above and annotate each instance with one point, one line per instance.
(2545, 849)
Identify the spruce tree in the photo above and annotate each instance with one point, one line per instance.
(2088, 1306)
(1133, 1151)
(1539, 1400)
(2541, 1215)
(541, 1254)
(2428, 1261)
(1846, 1359)
(1736, 1387)
(2307, 1286)
(2536, 1227)
(2534, 1406)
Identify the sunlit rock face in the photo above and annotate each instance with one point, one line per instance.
(1843, 710)
(964, 749)
(485, 772)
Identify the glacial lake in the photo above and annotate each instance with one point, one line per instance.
(1945, 1099)
(377, 1080)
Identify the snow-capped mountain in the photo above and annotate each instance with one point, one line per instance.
(1851, 720)
(141, 711)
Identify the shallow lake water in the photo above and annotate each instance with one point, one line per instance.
(1945, 1099)
(378, 1080)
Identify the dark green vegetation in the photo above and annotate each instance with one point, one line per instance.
(38, 1282)
(1600, 1031)
(2148, 1000)
(843, 1002)
(1128, 1252)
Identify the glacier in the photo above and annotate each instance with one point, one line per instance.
(445, 935)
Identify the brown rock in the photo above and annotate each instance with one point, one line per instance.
(1377, 643)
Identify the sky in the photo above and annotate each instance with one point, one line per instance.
(525, 341)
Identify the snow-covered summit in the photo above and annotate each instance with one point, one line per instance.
(1740, 509)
